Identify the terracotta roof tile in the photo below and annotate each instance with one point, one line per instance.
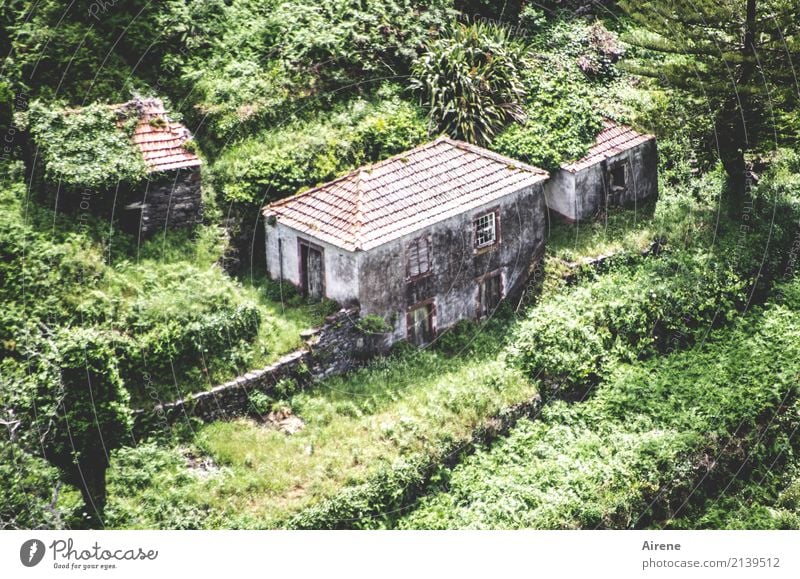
(158, 138)
(381, 202)
(612, 140)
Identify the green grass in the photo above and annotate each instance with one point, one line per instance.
(284, 318)
(618, 229)
(401, 407)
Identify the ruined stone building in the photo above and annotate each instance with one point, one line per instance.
(171, 196)
(160, 186)
(619, 169)
(437, 234)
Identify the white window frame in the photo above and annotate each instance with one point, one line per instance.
(481, 228)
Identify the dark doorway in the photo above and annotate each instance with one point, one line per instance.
(312, 273)
(490, 292)
(617, 184)
(420, 323)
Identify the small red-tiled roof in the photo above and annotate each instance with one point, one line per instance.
(612, 140)
(381, 202)
(158, 138)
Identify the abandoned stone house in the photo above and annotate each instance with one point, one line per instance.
(172, 194)
(619, 169)
(169, 196)
(437, 234)
(445, 231)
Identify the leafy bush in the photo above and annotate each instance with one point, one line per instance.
(561, 119)
(657, 437)
(84, 148)
(68, 389)
(280, 162)
(253, 63)
(624, 315)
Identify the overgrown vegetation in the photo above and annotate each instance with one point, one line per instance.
(283, 95)
(654, 438)
(401, 410)
(84, 149)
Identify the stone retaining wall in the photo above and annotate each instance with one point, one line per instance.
(334, 348)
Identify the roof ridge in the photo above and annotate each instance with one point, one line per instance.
(499, 157)
(353, 173)
(358, 221)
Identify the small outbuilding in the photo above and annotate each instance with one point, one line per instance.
(127, 162)
(171, 196)
(621, 168)
(426, 238)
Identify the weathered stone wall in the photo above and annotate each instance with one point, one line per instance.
(171, 200)
(456, 265)
(582, 195)
(336, 347)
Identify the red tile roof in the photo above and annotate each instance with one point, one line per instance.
(612, 140)
(382, 202)
(160, 139)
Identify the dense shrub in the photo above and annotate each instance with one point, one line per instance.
(470, 81)
(561, 122)
(169, 319)
(172, 348)
(655, 438)
(70, 401)
(624, 315)
(84, 148)
(279, 162)
(250, 64)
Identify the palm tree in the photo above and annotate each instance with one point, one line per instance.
(470, 81)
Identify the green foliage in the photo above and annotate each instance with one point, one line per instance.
(83, 51)
(84, 148)
(149, 486)
(69, 391)
(561, 122)
(279, 162)
(373, 324)
(27, 485)
(6, 107)
(624, 315)
(470, 81)
(734, 68)
(638, 450)
(248, 64)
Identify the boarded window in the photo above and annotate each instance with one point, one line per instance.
(420, 324)
(490, 292)
(419, 261)
(485, 230)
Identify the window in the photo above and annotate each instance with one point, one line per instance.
(618, 178)
(420, 321)
(485, 230)
(490, 292)
(419, 262)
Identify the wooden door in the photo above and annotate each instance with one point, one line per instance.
(311, 272)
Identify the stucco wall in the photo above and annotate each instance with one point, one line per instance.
(384, 289)
(580, 196)
(341, 266)
(559, 191)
